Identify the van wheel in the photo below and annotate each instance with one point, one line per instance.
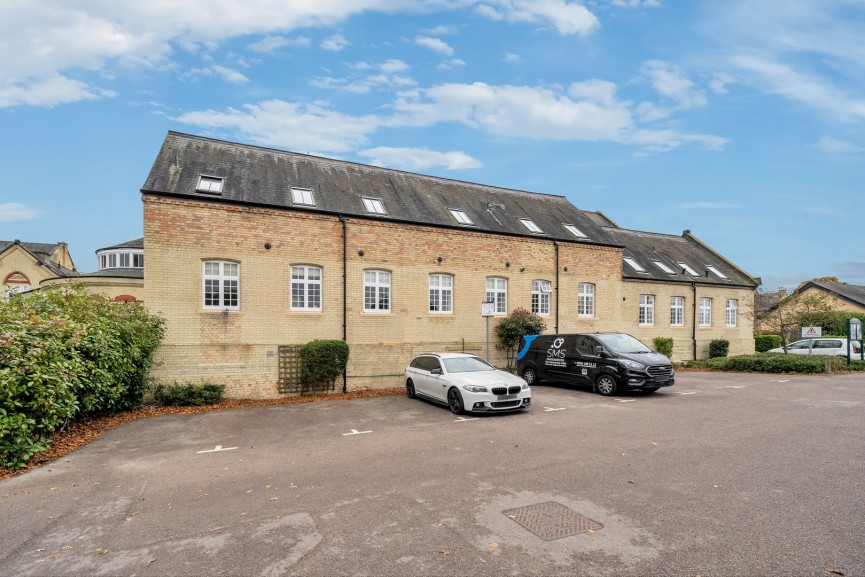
(530, 376)
(650, 390)
(409, 389)
(455, 401)
(605, 385)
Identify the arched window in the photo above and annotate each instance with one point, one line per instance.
(16, 282)
(221, 285)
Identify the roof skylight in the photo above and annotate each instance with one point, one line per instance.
(211, 184)
(574, 231)
(461, 217)
(302, 196)
(687, 269)
(634, 264)
(373, 205)
(530, 224)
(716, 271)
(664, 267)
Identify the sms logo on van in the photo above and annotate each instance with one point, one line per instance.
(556, 354)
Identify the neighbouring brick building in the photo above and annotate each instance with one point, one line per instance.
(24, 265)
(251, 250)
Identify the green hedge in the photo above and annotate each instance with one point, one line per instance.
(323, 361)
(188, 394)
(777, 363)
(664, 345)
(718, 348)
(763, 343)
(64, 354)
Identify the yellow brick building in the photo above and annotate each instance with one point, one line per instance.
(251, 250)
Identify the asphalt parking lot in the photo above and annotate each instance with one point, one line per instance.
(722, 474)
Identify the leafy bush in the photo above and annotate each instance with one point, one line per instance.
(718, 348)
(763, 343)
(517, 324)
(664, 345)
(64, 354)
(776, 363)
(188, 394)
(323, 361)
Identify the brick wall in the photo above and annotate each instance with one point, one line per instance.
(238, 348)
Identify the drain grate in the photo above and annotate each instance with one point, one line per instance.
(551, 520)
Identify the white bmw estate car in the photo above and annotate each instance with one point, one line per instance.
(465, 382)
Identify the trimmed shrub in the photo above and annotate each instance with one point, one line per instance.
(664, 345)
(776, 363)
(64, 354)
(188, 394)
(718, 348)
(763, 343)
(323, 361)
(518, 324)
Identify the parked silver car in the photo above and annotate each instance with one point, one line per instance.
(821, 346)
(465, 382)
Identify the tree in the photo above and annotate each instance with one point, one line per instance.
(517, 324)
(792, 312)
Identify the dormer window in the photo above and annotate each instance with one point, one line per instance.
(634, 264)
(121, 258)
(461, 217)
(716, 271)
(664, 267)
(209, 184)
(302, 196)
(574, 230)
(373, 205)
(687, 268)
(530, 224)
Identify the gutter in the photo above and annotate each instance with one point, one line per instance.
(344, 295)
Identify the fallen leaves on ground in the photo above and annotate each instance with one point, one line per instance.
(85, 431)
(835, 571)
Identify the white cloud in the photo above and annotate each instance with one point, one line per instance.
(567, 17)
(229, 74)
(385, 78)
(718, 83)
(335, 43)
(452, 63)
(13, 211)
(435, 44)
(636, 3)
(441, 30)
(392, 66)
(835, 146)
(419, 158)
(512, 58)
(300, 127)
(668, 81)
(49, 91)
(271, 43)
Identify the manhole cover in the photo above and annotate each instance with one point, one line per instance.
(551, 520)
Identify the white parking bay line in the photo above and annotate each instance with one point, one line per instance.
(625, 400)
(464, 419)
(355, 432)
(686, 392)
(550, 409)
(785, 381)
(734, 387)
(216, 450)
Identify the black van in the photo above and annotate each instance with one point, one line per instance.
(608, 362)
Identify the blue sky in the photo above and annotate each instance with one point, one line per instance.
(741, 121)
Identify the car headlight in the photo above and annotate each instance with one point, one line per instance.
(525, 386)
(632, 364)
(475, 388)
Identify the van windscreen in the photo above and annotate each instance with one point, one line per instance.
(622, 343)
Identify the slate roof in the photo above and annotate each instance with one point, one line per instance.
(136, 243)
(649, 248)
(116, 273)
(851, 292)
(42, 252)
(264, 177)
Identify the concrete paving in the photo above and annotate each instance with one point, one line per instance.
(722, 474)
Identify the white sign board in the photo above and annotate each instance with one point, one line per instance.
(812, 332)
(488, 309)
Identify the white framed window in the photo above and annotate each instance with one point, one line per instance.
(221, 285)
(634, 264)
(677, 311)
(647, 310)
(663, 267)
(461, 217)
(715, 270)
(586, 302)
(373, 205)
(302, 196)
(441, 294)
(687, 268)
(705, 312)
(305, 288)
(574, 230)
(541, 290)
(732, 312)
(497, 292)
(530, 224)
(137, 260)
(123, 260)
(376, 291)
(211, 184)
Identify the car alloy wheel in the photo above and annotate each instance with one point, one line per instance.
(409, 389)
(530, 376)
(455, 401)
(606, 385)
